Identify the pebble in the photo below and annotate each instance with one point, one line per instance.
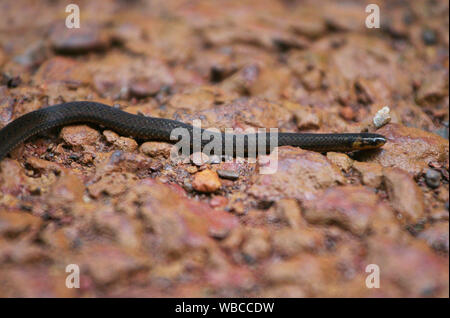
(371, 173)
(443, 132)
(206, 181)
(433, 178)
(44, 165)
(191, 169)
(79, 135)
(312, 80)
(14, 81)
(199, 158)
(228, 174)
(382, 117)
(238, 207)
(218, 201)
(347, 113)
(256, 245)
(218, 233)
(341, 160)
(300, 174)
(143, 87)
(156, 149)
(429, 37)
(215, 159)
(404, 194)
(187, 185)
(88, 38)
(33, 55)
(123, 143)
(306, 117)
(62, 70)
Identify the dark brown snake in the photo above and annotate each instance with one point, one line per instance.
(159, 129)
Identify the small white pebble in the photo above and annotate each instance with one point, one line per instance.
(86, 199)
(214, 159)
(199, 158)
(382, 117)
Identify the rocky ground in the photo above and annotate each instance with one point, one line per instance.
(138, 224)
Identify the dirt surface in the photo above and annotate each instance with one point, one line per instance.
(138, 224)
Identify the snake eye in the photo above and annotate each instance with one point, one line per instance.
(379, 141)
(374, 141)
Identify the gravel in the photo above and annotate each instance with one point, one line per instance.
(433, 178)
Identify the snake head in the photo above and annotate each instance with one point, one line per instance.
(369, 141)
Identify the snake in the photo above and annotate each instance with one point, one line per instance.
(161, 129)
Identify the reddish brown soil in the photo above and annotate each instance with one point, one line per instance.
(138, 224)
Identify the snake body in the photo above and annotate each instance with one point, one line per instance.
(159, 129)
